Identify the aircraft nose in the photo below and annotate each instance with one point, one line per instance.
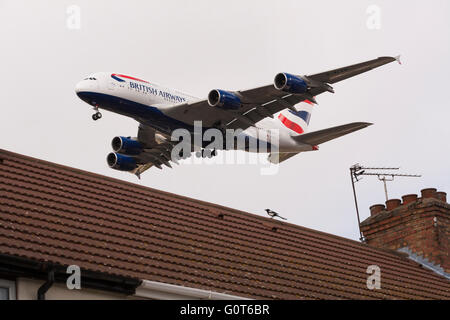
(79, 87)
(86, 86)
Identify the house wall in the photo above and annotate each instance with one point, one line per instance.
(26, 289)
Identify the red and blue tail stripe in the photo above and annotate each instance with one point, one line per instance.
(297, 120)
(290, 124)
(305, 115)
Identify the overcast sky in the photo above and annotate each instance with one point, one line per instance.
(196, 46)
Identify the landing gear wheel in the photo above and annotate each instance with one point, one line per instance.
(208, 153)
(96, 116)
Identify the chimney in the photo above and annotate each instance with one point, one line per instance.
(409, 198)
(391, 204)
(420, 226)
(376, 208)
(428, 193)
(442, 196)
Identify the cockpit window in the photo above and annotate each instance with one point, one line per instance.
(90, 78)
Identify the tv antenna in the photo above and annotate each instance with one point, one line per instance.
(356, 173)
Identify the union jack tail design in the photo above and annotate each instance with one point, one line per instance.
(297, 121)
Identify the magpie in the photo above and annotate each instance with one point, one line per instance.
(273, 214)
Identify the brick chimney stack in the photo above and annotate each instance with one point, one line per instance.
(418, 226)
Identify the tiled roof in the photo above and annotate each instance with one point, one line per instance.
(49, 212)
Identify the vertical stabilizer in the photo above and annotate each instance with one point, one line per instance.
(297, 122)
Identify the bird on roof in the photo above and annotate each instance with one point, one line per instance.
(274, 214)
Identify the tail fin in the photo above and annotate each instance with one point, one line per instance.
(297, 121)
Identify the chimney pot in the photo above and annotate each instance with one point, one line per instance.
(428, 193)
(441, 195)
(409, 198)
(392, 204)
(376, 208)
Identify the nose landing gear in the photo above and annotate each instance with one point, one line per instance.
(96, 116)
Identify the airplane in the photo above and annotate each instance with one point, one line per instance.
(285, 105)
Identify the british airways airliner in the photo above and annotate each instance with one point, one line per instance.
(285, 105)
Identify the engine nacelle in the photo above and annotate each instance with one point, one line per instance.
(121, 162)
(224, 99)
(126, 145)
(290, 83)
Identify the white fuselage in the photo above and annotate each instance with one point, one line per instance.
(148, 103)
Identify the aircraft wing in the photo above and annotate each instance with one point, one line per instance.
(317, 137)
(340, 74)
(157, 150)
(259, 103)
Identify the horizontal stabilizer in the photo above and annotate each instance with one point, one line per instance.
(321, 136)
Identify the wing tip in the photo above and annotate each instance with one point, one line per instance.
(355, 126)
(362, 123)
(392, 59)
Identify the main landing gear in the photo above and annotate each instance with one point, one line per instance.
(206, 153)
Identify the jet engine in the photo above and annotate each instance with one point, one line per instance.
(121, 162)
(224, 99)
(290, 83)
(126, 145)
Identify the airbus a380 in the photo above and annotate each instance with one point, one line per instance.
(286, 105)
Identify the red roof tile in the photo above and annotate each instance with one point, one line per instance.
(68, 216)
